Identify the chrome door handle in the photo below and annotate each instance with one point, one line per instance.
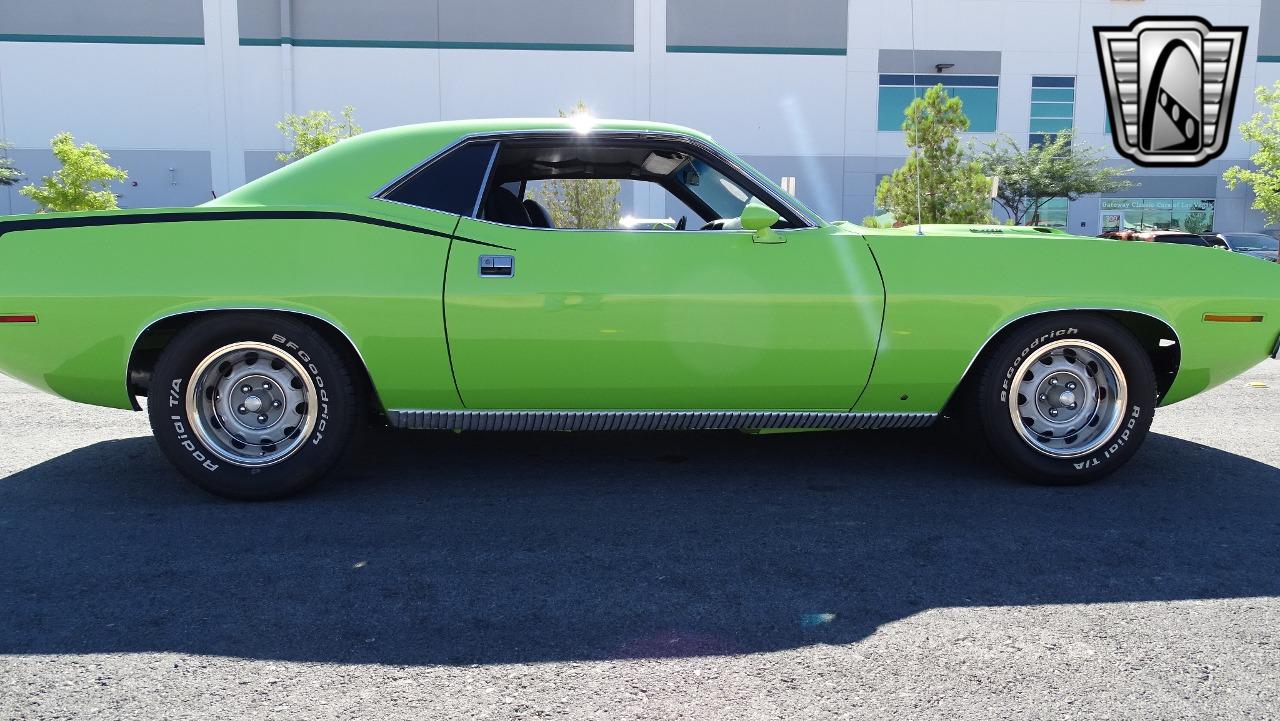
(497, 266)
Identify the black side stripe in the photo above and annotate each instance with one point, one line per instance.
(14, 226)
(481, 242)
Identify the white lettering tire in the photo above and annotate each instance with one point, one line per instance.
(253, 406)
(1066, 399)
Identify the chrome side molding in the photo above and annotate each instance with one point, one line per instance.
(649, 420)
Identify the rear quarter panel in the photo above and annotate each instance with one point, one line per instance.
(95, 289)
(947, 294)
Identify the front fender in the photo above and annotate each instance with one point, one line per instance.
(947, 295)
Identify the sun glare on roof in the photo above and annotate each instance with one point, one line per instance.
(582, 122)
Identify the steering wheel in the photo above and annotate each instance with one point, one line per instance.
(681, 224)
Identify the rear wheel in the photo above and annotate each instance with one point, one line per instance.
(1066, 399)
(252, 406)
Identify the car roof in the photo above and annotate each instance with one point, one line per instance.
(357, 167)
(584, 124)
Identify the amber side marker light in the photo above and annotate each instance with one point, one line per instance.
(18, 318)
(1220, 318)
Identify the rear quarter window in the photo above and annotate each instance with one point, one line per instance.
(449, 183)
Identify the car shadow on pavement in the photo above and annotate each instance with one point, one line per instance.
(474, 548)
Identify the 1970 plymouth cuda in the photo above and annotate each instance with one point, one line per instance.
(418, 275)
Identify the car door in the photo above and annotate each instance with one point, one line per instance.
(660, 319)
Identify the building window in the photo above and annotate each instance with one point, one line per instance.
(1193, 215)
(1053, 106)
(979, 93)
(1052, 214)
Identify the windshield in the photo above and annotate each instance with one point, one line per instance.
(1250, 241)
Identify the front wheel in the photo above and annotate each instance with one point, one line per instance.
(252, 406)
(1067, 399)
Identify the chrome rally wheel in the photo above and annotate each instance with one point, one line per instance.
(1065, 399)
(1068, 399)
(254, 406)
(251, 405)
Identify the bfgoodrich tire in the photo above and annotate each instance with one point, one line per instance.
(1066, 399)
(253, 406)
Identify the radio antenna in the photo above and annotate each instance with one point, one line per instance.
(915, 89)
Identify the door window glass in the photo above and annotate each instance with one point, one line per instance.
(609, 184)
(586, 204)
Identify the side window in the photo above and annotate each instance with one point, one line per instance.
(612, 184)
(595, 204)
(450, 183)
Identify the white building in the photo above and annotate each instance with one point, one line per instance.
(185, 94)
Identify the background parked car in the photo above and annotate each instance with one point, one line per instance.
(1216, 240)
(1257, 245)
(1163, 236)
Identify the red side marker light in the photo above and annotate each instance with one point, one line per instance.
(18, 318)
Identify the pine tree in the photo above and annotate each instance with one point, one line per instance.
(952, 188)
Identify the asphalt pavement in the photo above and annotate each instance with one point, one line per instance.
(874, 574)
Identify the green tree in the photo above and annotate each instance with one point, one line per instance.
(9, 175)
(1057, 168)
(1197, 221)
(1263, 129)
(82, 181)
(580, 202)
(316, 130)
(952, 188)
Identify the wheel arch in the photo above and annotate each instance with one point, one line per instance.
(152, 339)
(1150, 330)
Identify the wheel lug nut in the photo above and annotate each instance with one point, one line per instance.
(1053, 381)
(262, 417)
(1044, 397)
(266, 386)
(1053, 412)
(275, 404)
(242, 409)
(1071, 386)
(245, 389)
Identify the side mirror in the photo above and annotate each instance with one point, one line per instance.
(759, 219)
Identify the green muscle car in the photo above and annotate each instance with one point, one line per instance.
(475, 276)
